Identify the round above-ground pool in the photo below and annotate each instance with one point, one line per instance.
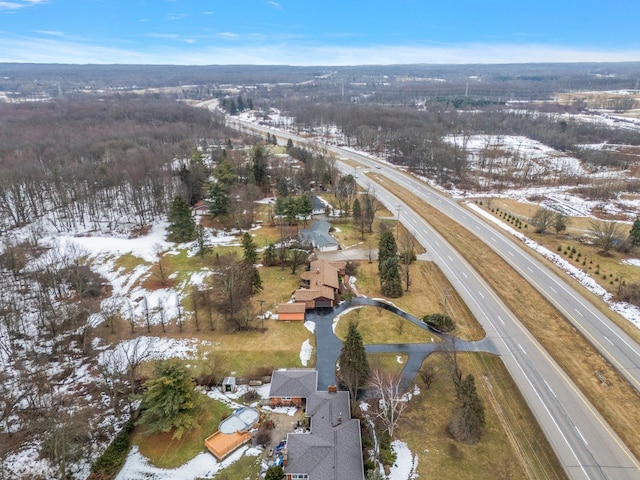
(242, 419)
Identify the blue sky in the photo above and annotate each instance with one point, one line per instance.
(319, 32)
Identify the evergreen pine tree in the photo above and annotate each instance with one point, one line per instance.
(354, 366)
(390, 282)
(182, 226)
(467, 417)
(249, 247)
(269, 256)
(259, 167)
(250, 257)
(635, 233)
(358, 218)
(387, 248)
(218, 202)
(169, 401)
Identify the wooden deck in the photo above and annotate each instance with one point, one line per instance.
(222, 444)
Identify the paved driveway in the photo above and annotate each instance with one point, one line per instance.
(328, 346)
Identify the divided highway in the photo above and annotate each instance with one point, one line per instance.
(585, 444)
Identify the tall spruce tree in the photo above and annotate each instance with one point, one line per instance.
(390, 283)
(250, 257)
(354, 366)
(182, 226)
(170, 401)
(467, 420)
(358, 217)
(388, 265)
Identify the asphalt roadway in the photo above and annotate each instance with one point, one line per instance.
(586, 445)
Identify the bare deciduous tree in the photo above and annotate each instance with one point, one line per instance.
(606, 235)
(391, 400)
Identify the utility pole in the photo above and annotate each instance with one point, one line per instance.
(398, 207)
(446, 293)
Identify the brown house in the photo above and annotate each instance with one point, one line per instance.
(322, 283)
(322, 287)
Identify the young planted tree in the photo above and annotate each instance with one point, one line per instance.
(354, 366)
(170, 401)
(182, 226)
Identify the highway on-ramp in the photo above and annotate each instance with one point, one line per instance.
(585, 444)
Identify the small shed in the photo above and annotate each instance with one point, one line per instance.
(291, 311)
(229, 385)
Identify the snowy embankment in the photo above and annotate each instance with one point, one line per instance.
(628, 311)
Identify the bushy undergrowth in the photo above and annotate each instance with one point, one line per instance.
(439, 321)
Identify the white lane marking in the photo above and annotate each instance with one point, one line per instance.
(501, 321)
(480, 293)
(464, 275)
(550, 389)
(510, 252)
(578, 312)
(523, 351)
(583, 439)
(608, 340)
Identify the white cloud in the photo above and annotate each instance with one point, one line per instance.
(18, 4)
(176, 16)
(228, 35)
(53, 33)
(60, 51)
(274, 4)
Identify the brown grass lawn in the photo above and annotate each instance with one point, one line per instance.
(428, 290)
(388, 362)
(166, 452)
(617, 401)
(381, 326)
(512, 446)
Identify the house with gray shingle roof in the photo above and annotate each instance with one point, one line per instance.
(292, 386)
(318, 236)
(333, 448)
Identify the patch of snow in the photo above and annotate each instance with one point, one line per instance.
(406, 465)
(204, 465)
(311, 326)
(628, 311)
(399, 358)
(305, 352)
(632, 261)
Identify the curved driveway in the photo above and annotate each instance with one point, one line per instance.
(328, 346)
